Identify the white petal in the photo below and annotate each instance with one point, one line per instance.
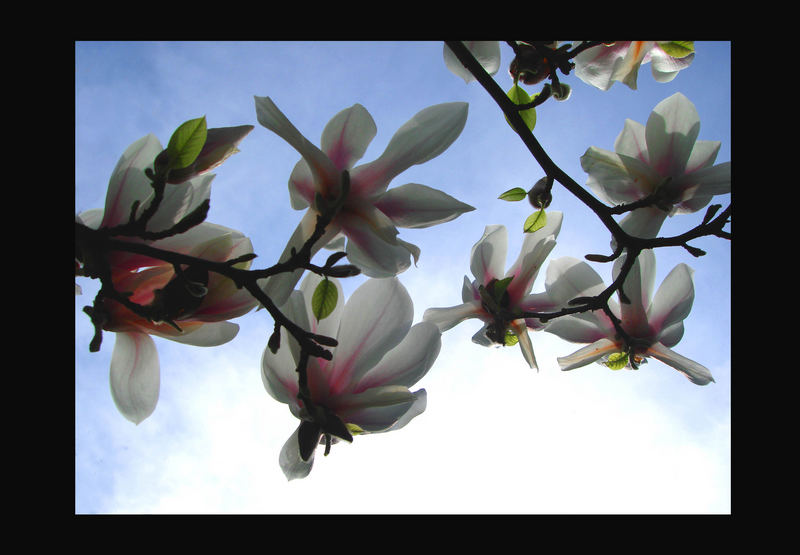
(638, 288)
(696, 373)
(588, 354)
(375, 409)
(446, 318)
(643, 222)
(486, 52)
(347, 136)
(425, 136)
(671, 131)
(568, 278)
(488, 255)
(521, 331)
(135, 375)
(128, 182)
(417, 206)
(210, 334)
(408, 362)
(536, 247)
(292, 465)
(617, 178)
(374, 320)
(674, 298)
(418, 407)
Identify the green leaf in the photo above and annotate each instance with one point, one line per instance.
(500, 286)
(617, 361)
(323, 301)
(677, 48)
(186, 143)
(535, 221)
(511, 338)
(513, 195)
(518, 96)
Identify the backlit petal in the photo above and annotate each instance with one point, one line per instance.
(486, 52)
(671, 131)
(347, 136)
(446, 318)
(408, 362)
(588, 354)
(488, 255)
(135, 375)
(695, 372)
(418, 206)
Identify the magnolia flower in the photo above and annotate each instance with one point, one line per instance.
(370, 214)
(364, 388)
(664, 158)
(498, 299)
(198, 303)
(653, 323)
(601, 65)
(487, 52)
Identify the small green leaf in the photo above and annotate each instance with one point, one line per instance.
(500, 286)
(617, 361)
(323, 301)
(511, 338)
(513, 195)
(518, 96)
(535, 221)
(186, 143)
(677, 48)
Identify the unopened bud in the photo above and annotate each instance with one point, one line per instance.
(560, 91)
(528, 66)
(540, 196)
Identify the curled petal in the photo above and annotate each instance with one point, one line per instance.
(536, 247)
(372, 243)
(666, 67)
(208, 335)
(418, 206)
(417, 407)
(521, 331)
(135, 375)
(128, 182)
(588, 354)
(695, 372)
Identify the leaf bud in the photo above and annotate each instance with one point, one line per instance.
(560, 91)
(540, 196)
(529, 66)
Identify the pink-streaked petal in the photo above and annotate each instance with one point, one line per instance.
(671, 131)
(486, 52)
(376, 409)
(278, 372)
(632, 142)
(536, 247)
(469, 291)
(408, 362)
(703, 155)
(417, 206)
(328, 326)
(374, 320)
(488, 255)
(616, 178)
(347, 136)
(180, 200)
(588, 354)
(695, 372)
(425, 136)
(301, 186)
(595, 66)
(326, 174)
(697, 188)
(446, 318)
(90, 218)
(293, 466)
(128, 182)
(135, 375)
(372, 244)
(674, 298)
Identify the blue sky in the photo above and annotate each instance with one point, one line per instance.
(496, 437)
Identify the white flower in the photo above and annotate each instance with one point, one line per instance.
(370, 215)
(135, 369)
(654, 323)
(601, 65)
(486, 52)
(665, 158)
(364, 388)
(498, 298)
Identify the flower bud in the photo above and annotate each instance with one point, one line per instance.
(560, 91)
(540, 196)
(528, 66)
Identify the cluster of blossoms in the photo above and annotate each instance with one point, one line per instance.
(377, 355)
